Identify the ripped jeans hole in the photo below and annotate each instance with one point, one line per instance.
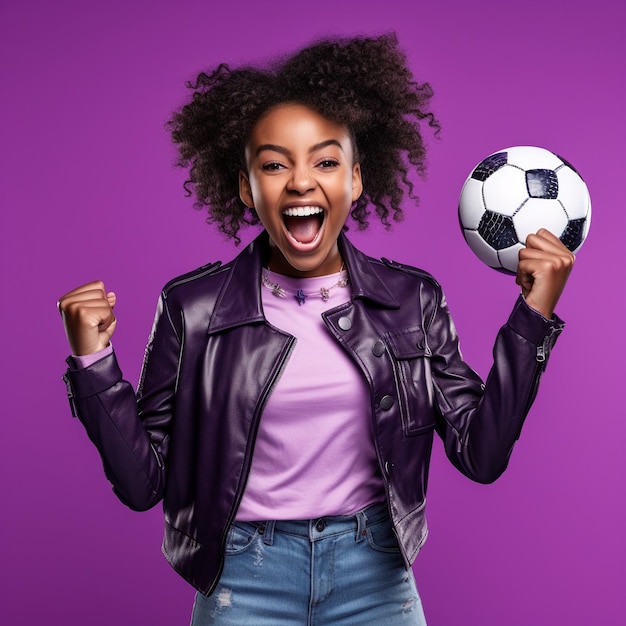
(407, 607)
(258, 555)
(223, 601)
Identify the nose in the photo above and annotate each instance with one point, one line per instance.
(301, 181)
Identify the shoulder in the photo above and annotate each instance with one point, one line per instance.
(401, 278)
(191, 277)
(202, 283)
(411, 271)
(392, 273)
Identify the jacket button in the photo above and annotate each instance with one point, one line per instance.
(386, 402)
(345, 323)
(378, 348)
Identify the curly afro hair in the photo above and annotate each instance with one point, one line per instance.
(362, 83)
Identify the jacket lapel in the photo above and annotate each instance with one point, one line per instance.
(239, 300)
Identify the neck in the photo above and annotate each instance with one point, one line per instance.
(277, 263)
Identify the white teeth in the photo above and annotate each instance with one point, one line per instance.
(302, 211)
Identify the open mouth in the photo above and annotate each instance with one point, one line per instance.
(303, 223)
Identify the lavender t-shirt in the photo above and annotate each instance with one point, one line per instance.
(314, 453)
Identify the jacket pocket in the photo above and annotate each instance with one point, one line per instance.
(411, 362)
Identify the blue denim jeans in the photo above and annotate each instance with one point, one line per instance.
(334, 570)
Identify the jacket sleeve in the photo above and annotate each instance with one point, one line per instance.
(479, 423)
(131, 431)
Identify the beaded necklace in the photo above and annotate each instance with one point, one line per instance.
(300, 295)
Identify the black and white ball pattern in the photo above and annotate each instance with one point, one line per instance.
(515, 192)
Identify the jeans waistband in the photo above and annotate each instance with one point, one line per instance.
(322, 527)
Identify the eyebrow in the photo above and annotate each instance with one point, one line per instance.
(286, 152)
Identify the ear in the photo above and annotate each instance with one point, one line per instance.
(357, 182)
(245, 191)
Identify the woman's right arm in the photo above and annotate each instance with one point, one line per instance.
(132, 442)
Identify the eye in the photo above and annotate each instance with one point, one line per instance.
(328, 163)
(272, 166)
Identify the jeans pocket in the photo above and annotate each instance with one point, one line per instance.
(381, 537)
(241, 536)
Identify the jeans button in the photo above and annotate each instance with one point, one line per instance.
(321, 524)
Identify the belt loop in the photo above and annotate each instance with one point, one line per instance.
(361, 522)
(268, 533)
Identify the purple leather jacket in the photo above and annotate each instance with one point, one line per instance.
(188, 435)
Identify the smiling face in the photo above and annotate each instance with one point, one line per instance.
(302, 181)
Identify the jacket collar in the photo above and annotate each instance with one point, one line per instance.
(239, 300)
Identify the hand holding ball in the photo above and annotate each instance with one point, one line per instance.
(514, 193)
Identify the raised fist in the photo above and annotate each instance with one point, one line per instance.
(88, 317)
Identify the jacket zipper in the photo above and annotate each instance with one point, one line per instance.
(249, 450)
(70, 395)
(543, 350)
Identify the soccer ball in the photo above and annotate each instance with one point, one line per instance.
(515, 192)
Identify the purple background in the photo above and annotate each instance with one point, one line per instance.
(88, 191)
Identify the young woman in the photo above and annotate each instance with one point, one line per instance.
(288, 399)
